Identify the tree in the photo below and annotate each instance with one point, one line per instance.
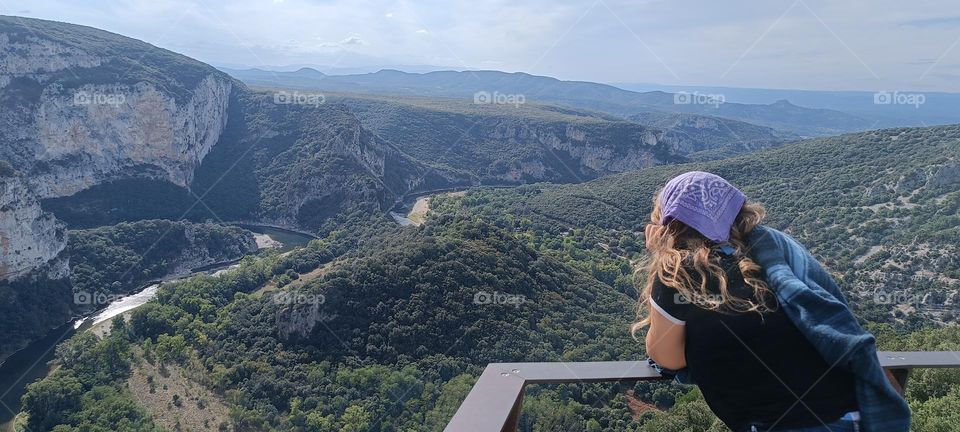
(593, 425)
(170, 348)
(355, 419)
(50, 400)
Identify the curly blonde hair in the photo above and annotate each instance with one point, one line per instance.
(676, 249)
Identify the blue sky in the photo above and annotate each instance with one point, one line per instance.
(800, 44)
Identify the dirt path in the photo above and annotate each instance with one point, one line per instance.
(637, 406)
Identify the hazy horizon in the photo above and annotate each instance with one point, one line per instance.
(789, 45)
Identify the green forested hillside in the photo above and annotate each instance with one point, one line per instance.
(388, 339)
(383, 328)
(119, 258)
(881, 209)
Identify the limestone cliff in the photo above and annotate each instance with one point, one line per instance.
(590, 149)
(514, 144)
(145, 132)
(304, 165)
(86, 107)
(29, 237)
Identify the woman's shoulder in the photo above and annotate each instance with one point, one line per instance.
(668, 301)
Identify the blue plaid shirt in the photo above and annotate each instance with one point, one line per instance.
(813, 301)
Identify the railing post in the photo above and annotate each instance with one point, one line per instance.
(899, 377)
(513, 421)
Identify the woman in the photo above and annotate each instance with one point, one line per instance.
(711, 311)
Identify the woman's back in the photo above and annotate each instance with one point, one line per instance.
(752, 367)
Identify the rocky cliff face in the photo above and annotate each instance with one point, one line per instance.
(945, 175)
(76, 113)
(322, 161)
(589, 149)
(691, 135)
(39, 58)
(512, 144)
(298, 320)
(97, 133)
(29, 237)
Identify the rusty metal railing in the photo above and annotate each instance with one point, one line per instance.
(495, 401)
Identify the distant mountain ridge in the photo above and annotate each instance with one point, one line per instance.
(581, 94)
(937, 108)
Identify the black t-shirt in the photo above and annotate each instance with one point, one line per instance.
(753, 369)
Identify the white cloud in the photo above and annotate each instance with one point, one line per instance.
(349, 40)
(353, 40)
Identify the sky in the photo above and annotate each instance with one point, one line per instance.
(891, 45)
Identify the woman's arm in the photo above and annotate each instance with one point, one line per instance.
(666, 341)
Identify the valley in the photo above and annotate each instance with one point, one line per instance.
(190, 248)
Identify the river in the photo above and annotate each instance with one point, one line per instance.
(33, 362)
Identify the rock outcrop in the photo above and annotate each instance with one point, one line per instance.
(29, 237)
(298, 320)
(201, 254)
(932, 177)
(590, 150)
(945, 175)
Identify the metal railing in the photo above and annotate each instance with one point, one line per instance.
(495, 401)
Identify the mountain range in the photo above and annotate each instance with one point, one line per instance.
(781, 115)
(886, 107)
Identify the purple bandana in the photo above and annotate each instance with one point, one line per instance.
(705, 202)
